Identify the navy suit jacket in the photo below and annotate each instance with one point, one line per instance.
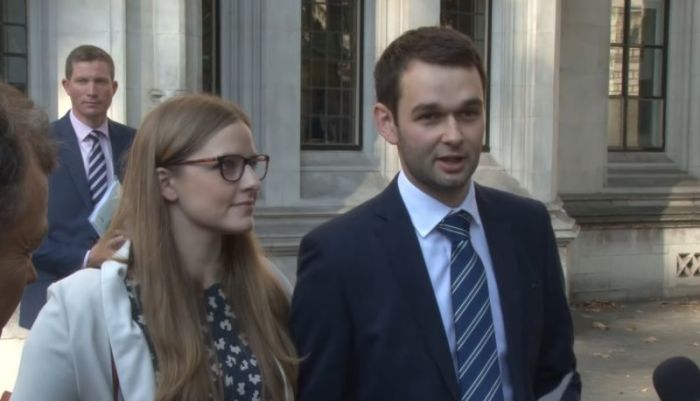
(367, 324)
(70, 234)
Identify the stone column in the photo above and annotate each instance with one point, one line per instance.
(544, 100)
(583, 124)
(393, 17)
(164, 52)
(525, 92)
(261, 72)
(694, 92)
(524, 107)
(44, 73)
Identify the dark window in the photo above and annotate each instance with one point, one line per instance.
(330, 74)
(13, 43)
(210, 46)
(472, 18)
(469, 17)
(636, 83)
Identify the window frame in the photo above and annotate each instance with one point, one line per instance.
(213, 84)
(488, 14)
(3, 54)
(357, 116)
(624, 95)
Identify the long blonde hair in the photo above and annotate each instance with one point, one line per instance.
(171, 302)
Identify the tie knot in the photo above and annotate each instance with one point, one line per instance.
(455, 226)
(94, 136)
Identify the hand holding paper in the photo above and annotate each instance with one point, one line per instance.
(100, 219)
(104, 249)
(102, 214)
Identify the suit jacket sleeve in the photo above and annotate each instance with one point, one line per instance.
(556, 352)
(320, 325)
(58, 258)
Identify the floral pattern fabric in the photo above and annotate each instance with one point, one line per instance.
(231, 359)
(236, 365)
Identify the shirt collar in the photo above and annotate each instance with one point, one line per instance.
(426, 212)
(82, 130)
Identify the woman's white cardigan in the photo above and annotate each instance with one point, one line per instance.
(67, 354)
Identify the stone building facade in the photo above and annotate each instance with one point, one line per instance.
(594, 108)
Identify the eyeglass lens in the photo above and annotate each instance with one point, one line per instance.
(232, 166)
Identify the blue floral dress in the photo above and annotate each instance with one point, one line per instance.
(232, 362)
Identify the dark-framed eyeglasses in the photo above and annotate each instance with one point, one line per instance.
(232, 167)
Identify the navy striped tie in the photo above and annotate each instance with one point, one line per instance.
(478, 371)
(97, 168)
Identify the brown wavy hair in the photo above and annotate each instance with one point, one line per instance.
(24, 135)
(171, 301)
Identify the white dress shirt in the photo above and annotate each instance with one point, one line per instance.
(81, 132)
(426, 213)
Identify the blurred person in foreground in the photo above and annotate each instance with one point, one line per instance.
(90, 151)
(27, 156)
(189, 309)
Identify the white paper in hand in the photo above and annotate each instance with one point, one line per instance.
(557, 393)
(101, 216)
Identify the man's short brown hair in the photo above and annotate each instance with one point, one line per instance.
(432, 45)
(88, 53)
(24, 131)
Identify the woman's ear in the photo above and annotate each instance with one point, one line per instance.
(165, 183)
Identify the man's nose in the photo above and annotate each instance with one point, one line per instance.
(92, 89)
(451, 132)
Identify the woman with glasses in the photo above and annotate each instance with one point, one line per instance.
(189, 309)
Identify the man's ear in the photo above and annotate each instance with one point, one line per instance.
(384, 120)
(165, 183)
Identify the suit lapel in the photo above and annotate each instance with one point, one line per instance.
(505, 265)
(406, 260)
(71, 157)
(120, 143)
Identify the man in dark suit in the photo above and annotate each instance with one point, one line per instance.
(438, 288)
(90, 152)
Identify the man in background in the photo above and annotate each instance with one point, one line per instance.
(438, 288)
(90, 152)
(27, 156)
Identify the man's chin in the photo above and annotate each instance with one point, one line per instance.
(454, 181)
(92, 113)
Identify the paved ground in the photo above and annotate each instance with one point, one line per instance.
(618, 345)
(10, 353)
